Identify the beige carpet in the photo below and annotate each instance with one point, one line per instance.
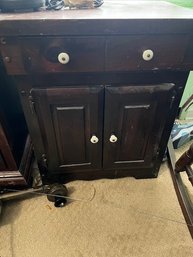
(126, 218)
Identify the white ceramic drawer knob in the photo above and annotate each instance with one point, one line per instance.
(148, 55)
(113, 139)
(63, 58)
(94, 139)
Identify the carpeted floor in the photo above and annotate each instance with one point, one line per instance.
(126, 218)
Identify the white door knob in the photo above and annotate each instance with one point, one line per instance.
(113, 139)
(94, 139)
(148, 55)
(63, 58)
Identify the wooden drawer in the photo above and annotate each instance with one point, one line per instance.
(41, 55)
(160, 51)
(95, 54)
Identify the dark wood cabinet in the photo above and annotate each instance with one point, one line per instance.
(99, 93)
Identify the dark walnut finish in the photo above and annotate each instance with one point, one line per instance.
(15, 144)
(136, 116)
(106, 106)
(67, 117)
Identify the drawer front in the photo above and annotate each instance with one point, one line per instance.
(148, 52)
(54, 54)
(94, 54)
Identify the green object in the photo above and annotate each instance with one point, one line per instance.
(188, 89)
(184, 3)
(187, 113)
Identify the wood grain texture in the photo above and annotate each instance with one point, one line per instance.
(138, 119)
(96, 54)
(125, 53)
(68, 118)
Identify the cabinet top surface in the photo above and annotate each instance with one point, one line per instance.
(110, 10)
(113, 17)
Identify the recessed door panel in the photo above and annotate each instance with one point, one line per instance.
(67, 121)
(134, 132)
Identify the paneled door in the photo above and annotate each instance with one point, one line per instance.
(70, 121)
(134, 121)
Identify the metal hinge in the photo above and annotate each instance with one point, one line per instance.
(172, 99)
(32, 104)
(158, 152)
(44, 160)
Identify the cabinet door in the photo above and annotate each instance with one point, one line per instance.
(68, 118)
(134, 121)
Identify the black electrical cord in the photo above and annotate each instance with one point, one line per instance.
(98, 3)
(59, 4)
(54, 4)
